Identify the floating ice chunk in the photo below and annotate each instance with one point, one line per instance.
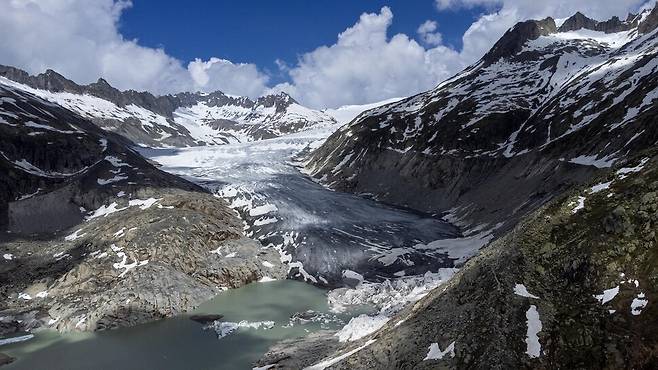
(266, 279)
(607, 295)
(22, 338)
(521, 290)
(534, 327)
(435, 352)
(224, 328)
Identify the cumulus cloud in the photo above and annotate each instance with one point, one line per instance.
(365, 65)
(429, 35)
(224, 75)
(80, 39)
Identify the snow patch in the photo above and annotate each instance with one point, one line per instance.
(607, 295)
(521, 290)
(534, 327)
(435, 353)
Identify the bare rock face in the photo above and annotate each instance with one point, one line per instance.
(514, 39)
(580, 21)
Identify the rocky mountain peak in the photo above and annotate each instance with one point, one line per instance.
(279, 100)
(53, 81)
(513, 40)
(580, 21)
(650, 22)
(103, 89)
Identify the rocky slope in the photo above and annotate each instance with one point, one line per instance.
(185, 119)
(92, 236)
(545, 109)
(572, 286)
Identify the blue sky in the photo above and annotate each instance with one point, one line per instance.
(261, 32)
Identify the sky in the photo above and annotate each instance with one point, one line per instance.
(242, 32)
(323, 53)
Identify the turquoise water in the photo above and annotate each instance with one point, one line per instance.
(180, 343)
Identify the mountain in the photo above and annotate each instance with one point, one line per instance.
(184, 119)
(93, 236)
(572, 286)
(546, 108)
(551, 139)
(347, 113)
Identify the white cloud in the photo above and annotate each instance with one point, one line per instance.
(80, 39)
(365, 65)
(221, 74)
(429, 35)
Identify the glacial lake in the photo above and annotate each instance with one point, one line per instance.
(180, 343)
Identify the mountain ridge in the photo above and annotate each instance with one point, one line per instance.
(178, 120)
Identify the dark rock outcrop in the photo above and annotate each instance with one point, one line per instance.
(513, 40)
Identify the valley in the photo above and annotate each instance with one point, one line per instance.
(506, 218)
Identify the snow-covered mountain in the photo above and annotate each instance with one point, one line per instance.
(185, 119)
(347, 113)
(547, 106)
